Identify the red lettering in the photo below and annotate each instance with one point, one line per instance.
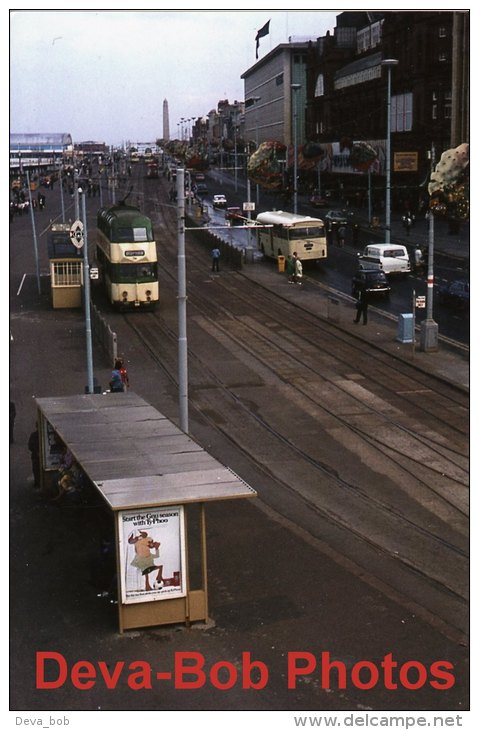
(83, 675)
(439, 670)
(195, 669)
(421, 671)
(261, 668)
(297, 671)
(142, 678)
(215, 672)
(373, 675)
(388, 664)
(326, 667)
(41, 658)
(111, 680)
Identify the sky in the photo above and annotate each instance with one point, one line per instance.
(103, 75)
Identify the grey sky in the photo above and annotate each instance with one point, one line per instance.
(103, 75)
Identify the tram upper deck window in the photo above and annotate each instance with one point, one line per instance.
(136, 235)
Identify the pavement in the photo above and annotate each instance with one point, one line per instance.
(273, 590)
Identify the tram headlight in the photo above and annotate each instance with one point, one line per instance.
(148, 294)
(124, 295)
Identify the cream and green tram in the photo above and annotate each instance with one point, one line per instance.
(287, 233)
(127, 257)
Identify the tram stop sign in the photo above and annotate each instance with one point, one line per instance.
(76, 234)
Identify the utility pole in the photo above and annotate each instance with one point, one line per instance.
(182, 334)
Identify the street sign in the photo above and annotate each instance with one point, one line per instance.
(421, 302)
(248, 206)
(76, 234)
(94, 273)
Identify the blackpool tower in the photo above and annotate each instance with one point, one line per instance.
(166, 121)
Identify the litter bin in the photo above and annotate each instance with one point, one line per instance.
(281, 263)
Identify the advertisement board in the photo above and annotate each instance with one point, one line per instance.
(152, 554)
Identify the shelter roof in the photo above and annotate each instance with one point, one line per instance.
(134, 455)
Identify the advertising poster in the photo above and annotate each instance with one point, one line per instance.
(152, 554)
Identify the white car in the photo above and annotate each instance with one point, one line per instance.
(219, 201)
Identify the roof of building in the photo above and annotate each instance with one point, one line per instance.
(57, 139)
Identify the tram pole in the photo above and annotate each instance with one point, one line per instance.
(35, 244)
(182, 335)
(86, 287)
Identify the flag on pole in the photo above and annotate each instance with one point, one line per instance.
(261, 34)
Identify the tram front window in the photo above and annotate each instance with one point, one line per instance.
(134, 273)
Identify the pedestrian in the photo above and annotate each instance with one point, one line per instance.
(298, 271)
(341, 235)
(418, 260)
(116, 382)
(34, 448)
(355, 234)
(215, 259)
(41, 201)
(361, 307)
(290, 269)
(13, 414)
(124, 375)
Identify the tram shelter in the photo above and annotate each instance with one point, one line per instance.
(156, 481)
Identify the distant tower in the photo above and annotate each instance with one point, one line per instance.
(166, 121)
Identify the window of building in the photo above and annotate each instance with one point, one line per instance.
(442, 32)
(319, 90)
(401, 113)
(442, 57)
(434, 111)
(279, 79)
(66, 273)
(448, 105)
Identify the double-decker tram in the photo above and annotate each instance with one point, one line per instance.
(127, 258)
(286, 233)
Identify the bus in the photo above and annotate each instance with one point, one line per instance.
(286, 233)
(127, 258)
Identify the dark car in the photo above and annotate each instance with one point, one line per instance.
(455, 293)
(201, 189)
(234, 215)
(372, 281)
(335, 218)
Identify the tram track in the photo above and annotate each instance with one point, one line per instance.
(429, 510)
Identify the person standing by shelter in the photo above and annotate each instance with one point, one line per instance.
(34, 448)
(215, 258)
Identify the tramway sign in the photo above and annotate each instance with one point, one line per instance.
(76, 234)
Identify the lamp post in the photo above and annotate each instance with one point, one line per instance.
(389, 63)
(295, 88)
(429, 329)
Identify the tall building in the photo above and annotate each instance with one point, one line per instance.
(166, 121)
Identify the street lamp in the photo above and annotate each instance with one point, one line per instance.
(295, 88)
(389, 63)
(253, 100)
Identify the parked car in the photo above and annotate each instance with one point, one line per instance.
(219, 201)
(335, 218)
(392, 258)
(372, 281)
(234, 215)
(455, 293)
